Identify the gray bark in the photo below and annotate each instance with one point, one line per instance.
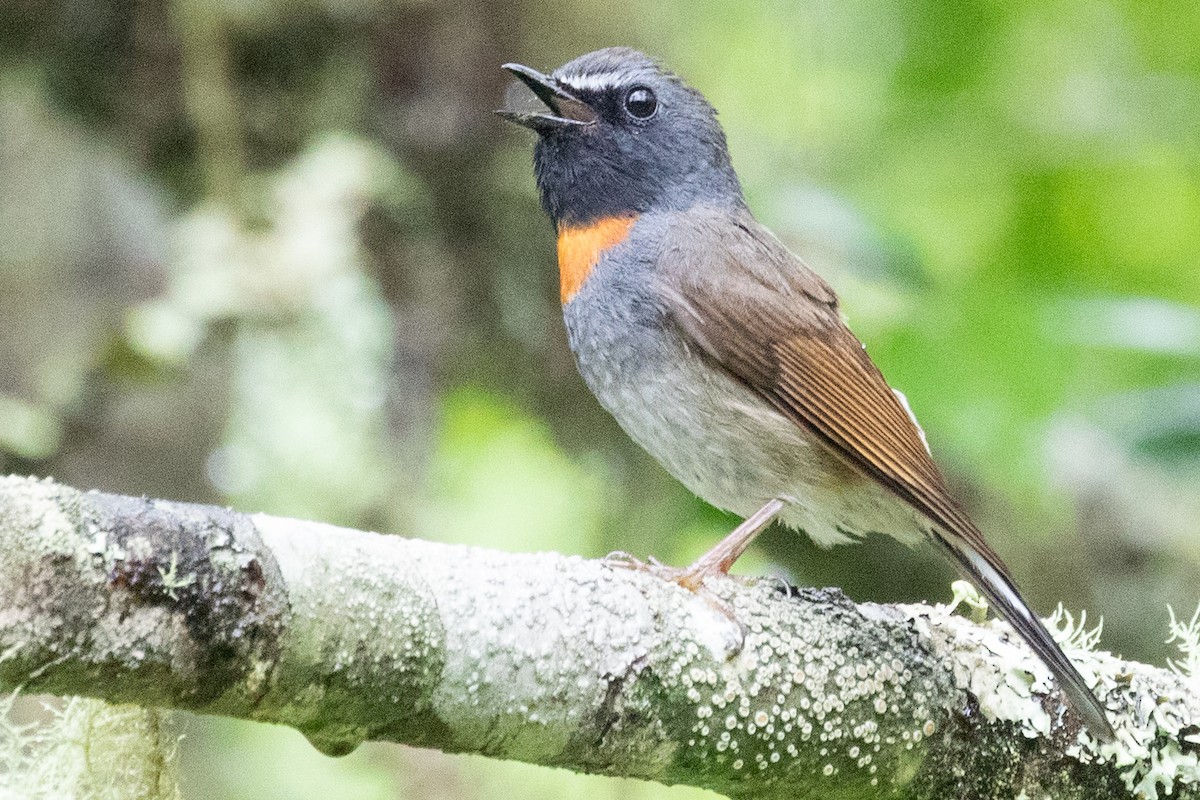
(351, 636)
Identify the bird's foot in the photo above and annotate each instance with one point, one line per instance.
(691, 578)
(619, 559)
(716, 561)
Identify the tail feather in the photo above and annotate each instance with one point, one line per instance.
(1000, 591)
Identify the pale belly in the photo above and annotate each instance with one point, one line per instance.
(717, 436)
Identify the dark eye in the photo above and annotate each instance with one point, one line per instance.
(641, 103)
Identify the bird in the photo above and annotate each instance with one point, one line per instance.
(720, 352)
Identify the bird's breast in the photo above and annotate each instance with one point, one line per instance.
(717, 436)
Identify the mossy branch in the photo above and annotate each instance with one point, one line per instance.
(351, 636)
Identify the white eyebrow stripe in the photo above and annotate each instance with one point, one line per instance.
(593, 83)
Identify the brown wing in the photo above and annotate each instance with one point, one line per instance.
(769, 320)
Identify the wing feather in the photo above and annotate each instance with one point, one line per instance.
(771, 321)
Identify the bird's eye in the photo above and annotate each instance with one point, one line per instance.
(641, 103)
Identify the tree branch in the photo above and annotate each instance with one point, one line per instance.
(349, 636)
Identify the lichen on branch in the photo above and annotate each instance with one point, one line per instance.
(351, 636)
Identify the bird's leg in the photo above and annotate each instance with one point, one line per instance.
(718, 560)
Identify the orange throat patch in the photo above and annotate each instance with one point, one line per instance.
(581, 247)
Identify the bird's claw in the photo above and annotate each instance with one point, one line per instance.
(619, 559)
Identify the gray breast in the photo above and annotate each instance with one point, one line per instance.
(715, 435)
(712, 433)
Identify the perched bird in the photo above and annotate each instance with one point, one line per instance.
(718, 350)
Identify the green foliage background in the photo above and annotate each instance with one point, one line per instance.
(281, 256)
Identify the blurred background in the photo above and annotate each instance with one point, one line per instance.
(281, 256)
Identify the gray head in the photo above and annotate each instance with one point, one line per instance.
(618, 134)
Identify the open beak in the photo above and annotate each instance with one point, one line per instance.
(565, 109)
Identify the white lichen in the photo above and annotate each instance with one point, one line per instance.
(172, 580)
(964, 593)
(86, 750)
(1186, 636)
(1073, 635)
